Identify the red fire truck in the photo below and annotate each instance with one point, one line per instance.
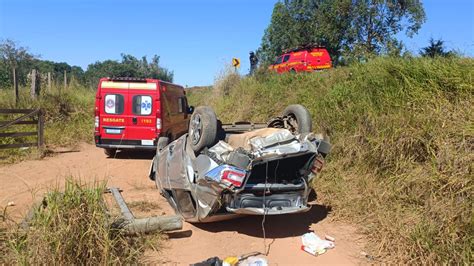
(302, 59)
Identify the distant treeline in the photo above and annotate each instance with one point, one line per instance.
(13, 56)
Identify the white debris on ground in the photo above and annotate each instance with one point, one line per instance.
(314, 245)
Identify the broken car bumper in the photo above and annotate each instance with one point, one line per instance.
(124, 147)
(281, 203)
(269, 211)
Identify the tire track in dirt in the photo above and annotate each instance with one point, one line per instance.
(27, 181)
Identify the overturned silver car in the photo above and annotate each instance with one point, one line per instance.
(220, 171)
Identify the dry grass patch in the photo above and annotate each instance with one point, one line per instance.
(144, 205)
(74, 228)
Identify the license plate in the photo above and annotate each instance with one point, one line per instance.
(147, 142)
(113, 131)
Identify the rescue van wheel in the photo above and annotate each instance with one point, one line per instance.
(300, 118)
(202, 128)
(110, 152)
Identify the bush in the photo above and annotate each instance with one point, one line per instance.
(69, 118)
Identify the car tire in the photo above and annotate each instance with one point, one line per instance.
(110, 152)
(301, 116)
(202, 128)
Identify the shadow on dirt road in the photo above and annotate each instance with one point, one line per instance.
(280, 226)
(133, 155)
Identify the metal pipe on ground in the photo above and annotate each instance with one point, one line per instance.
(129, 225)
(133, 226)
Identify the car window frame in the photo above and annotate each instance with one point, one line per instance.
(122, 101)
(133, 105)
(182, 104)
(279, 60)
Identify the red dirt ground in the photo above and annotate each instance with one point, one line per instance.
(27, 181)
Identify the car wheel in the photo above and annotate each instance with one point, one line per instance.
(110, 152)
(300, 118)
(202, 128)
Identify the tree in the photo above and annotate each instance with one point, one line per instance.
(349, 28)
(129, 66)
(288, 28)
(57, 70)
(14, 56)
(434, 49)
(5, 73)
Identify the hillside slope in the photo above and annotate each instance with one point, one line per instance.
(403, 147)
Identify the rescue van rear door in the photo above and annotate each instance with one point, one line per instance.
(141, 117)
(113, 105)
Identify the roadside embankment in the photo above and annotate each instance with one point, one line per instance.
(403, 147)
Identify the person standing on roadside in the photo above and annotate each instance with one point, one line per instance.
(253, 62)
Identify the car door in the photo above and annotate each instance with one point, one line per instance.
(183, 115)
(277, 64)
(179, 117)
(113, 103)
(285, 67)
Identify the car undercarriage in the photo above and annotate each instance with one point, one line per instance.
(249, 170)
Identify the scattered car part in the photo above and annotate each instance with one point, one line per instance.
(314, 245)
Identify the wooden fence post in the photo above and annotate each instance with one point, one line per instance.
(15, 86)
(38, 84)
(33, 84)
(49, 81)
(40, 129)
(65, 80)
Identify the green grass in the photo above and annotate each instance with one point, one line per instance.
(403, 147)
(74, 229)
(68, 119)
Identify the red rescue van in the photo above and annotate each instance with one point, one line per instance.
(302, 59)
(139, 114)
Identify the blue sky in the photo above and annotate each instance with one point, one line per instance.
(195, 39)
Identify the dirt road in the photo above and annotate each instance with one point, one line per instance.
(27, 181)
